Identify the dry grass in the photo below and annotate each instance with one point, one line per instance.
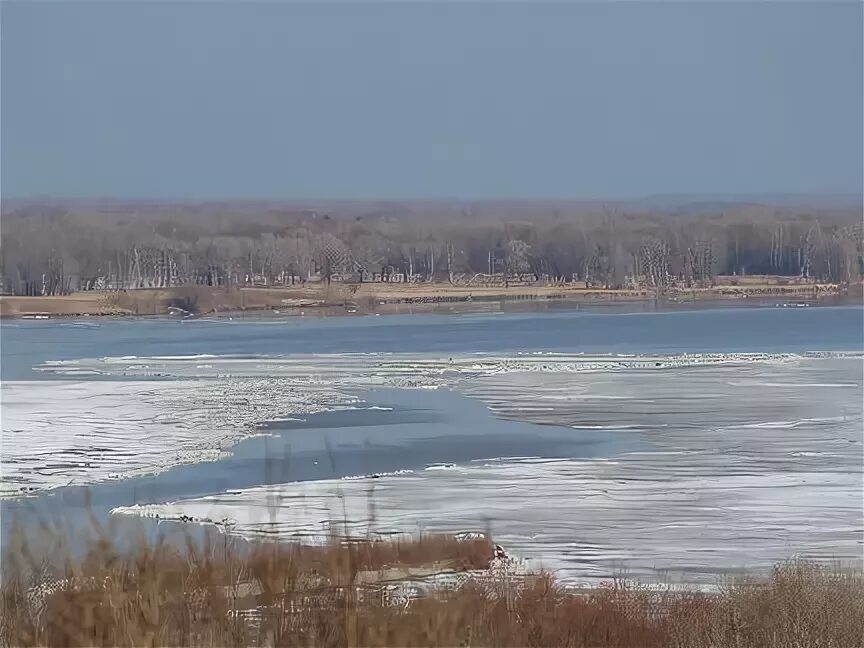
(369, 297)
(230, 593)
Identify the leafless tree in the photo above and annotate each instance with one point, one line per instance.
(54, 248)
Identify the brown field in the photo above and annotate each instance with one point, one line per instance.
(230, 593)
(366, 297)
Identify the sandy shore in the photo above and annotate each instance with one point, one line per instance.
(364, 298)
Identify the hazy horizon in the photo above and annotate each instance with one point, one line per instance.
(768, 199)
(199, 102)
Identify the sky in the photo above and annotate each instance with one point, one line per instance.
(242, 100)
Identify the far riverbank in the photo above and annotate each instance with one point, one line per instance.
(368, 298)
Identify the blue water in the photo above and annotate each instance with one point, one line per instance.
(721, 329)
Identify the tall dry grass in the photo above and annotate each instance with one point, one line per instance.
(231, 593)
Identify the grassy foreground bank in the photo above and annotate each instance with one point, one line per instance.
(232, 593)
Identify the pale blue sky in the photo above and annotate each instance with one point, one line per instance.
(486, 100)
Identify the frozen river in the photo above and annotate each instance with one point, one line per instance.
(672, 445)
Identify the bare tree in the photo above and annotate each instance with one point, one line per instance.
(55, 249)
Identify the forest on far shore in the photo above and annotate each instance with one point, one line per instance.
(56, 247)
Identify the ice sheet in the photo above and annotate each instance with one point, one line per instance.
(644, 516)
(755, 461)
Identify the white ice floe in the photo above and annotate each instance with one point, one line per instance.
(585, 519)
(588, 520)
(58, 433)
(441, 466)
(410, 369)
(739, 474)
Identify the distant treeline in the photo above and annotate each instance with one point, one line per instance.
(54, 248)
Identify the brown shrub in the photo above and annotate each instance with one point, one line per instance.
(230, 593)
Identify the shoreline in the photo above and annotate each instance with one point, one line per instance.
(371, 298)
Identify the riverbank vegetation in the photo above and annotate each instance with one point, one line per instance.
(227, 592)
(59, 247)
